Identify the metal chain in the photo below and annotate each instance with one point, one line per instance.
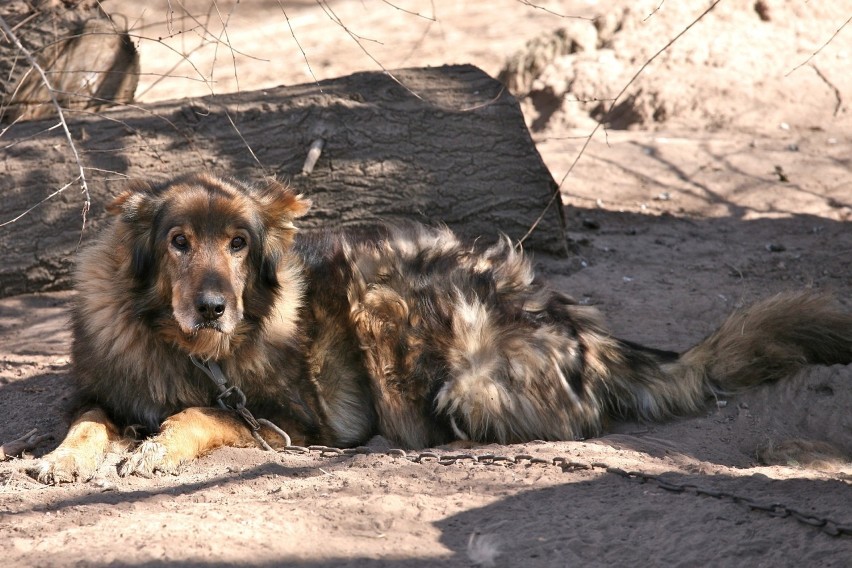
(214, 372)
(826, 525)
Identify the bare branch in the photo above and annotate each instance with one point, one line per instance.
(143, 110)
(213, 38)
(218, 41)
(168, 74)
(543, 9)
(333, 17)
(418, 14)
(227, 42)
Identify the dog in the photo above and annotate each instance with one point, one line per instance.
(334, 337)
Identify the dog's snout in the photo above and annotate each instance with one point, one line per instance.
(210, 305)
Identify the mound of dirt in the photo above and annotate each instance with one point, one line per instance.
(741, 65)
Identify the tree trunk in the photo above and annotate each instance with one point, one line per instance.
(457, 152)
(89, 61)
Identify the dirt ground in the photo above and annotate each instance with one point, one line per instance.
(730, 180)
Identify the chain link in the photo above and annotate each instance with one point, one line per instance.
(215, 374)
(827, 526)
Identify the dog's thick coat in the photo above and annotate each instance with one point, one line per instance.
(402, 331)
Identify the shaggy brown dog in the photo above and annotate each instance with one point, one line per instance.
(409, 333)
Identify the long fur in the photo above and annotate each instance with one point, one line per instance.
(403, 331)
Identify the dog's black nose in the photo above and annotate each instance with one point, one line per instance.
(210, 305)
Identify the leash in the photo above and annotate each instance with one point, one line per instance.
(214, 373)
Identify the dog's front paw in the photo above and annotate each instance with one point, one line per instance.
(65, 466)
(149, 457)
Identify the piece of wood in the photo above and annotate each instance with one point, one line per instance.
(88, 58)
(457, 153)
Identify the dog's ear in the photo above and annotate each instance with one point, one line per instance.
(280, 205)
(136, 207)
(134, 201)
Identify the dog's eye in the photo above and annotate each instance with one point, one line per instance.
(238, 243)
(180, 242)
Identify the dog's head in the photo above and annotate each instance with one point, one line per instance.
(204, 256)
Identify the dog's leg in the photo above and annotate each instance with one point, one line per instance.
(81, 452)
(185, 436)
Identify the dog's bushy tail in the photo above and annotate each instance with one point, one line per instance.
(772, 340)
(765, 342)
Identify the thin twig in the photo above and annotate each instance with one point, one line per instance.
(26, 138)
(823, 46)
(304, 55)
(418, 14)
(486, 103)
(10, 125)
(48, 198)
(654, 11)
(168, 74)
(542, 8)
(248, 146)
(838, 97)
(178, 53)
(82, 177)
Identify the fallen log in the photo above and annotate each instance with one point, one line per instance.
(442, 145)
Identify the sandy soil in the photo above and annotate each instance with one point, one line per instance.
(740, 187)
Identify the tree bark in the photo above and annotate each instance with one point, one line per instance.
(450, 146)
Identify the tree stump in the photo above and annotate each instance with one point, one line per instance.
(456, 152)
(89, 61)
